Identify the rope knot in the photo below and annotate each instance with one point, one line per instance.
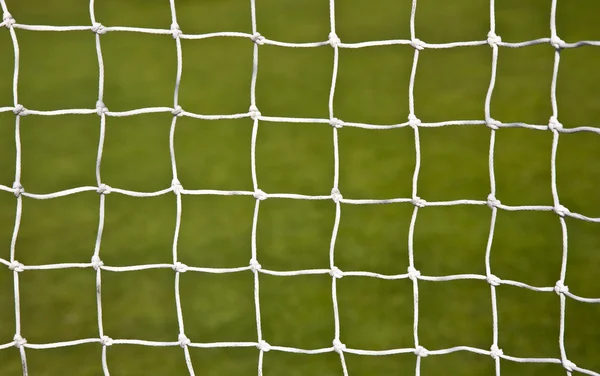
(338, 346)
(492, 202)
(554, 124)
(336, 196)
(106, 341)
(104, 189)
(175, 31)
(413, 273)
(557, 43)
(493, 124)
(334, 40)
(101, 108)
(19, 110)
(19, 341)
(98, 28)
(180, 267)
(254, 112)
(176, 186)
(263, 346)
(336, 123)
(560, 210)
(421, 351)
(96, 262)
(258, 39)
(493, 39)
(177, 111)
(418, 202)
(254, 265)
(183, 340)
(260, 195)
(16, 266)
(413, 121)
(496, 352)
(569, 365)
(8, 20)
(17, 189)
(417, 44)
(493, 280)
(560, 288)
(335, 272)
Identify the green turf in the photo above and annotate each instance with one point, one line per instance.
(59, 70)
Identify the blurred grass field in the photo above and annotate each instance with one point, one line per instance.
(59, 70)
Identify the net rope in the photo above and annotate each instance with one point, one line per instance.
(493, 40)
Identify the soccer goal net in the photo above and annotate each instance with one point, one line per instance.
(263, 344)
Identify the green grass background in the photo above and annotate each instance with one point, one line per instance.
(59, 70)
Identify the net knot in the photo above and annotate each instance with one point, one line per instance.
(560, 288)
(258, 39)
(101, 108)
(492, 202)
(104, 189)
(183, 340)
(560, 210)
(17, 189)
(421, 351)
(177, 111)
(98, 28)
(175, 31)
(16, 266)
(417, 44)
(260, 195)
(335, 272)
(493, 39)
(96, 262)
(338, 346)
(554, 124)
(106, 341)
(180, 267)
(254, 112)
(336, 196)
(262, 345)
(19, 341)
(336, 123)
(19, 110)
(254, 265)
(569, 365)
(413, 121)
(493, 280)
(176, 186)
(413, 273)
(8, 20)
(493, 124)
(557, 43)
(334, 40)
(496, 352)
(418, 202)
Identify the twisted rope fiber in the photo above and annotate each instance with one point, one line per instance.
(254, 267)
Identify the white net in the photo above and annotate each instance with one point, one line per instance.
(493, 40)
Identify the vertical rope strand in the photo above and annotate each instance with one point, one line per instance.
(17, 188)
(492, 201)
